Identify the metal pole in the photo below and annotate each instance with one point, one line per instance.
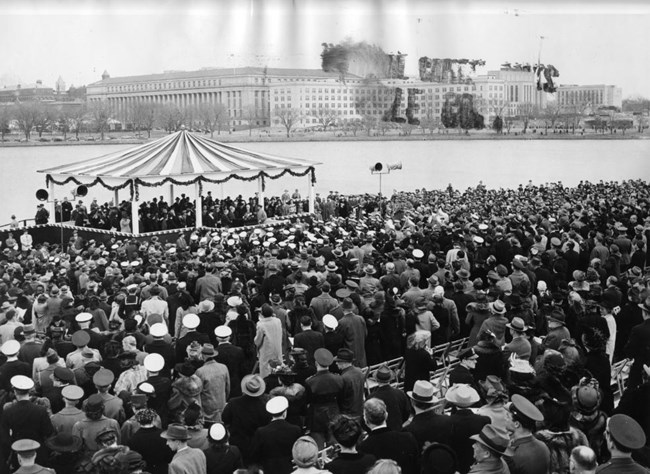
(135, 222)
(199, 205)
(310, 185)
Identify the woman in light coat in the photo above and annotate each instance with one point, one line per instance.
(268, 340)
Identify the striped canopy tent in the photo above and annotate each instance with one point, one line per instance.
(181, 159)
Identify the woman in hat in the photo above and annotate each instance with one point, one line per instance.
(305, 456)
(243, 335)
(418, 360)
(65, 452)
(294, 392)
(495, 395)
(558, 435)
(587, 416)
(477, 313)
(186, 391)
(598, 366)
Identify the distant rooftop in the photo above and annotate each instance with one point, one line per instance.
(222, 72)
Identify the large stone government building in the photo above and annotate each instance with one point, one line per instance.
(255, 93)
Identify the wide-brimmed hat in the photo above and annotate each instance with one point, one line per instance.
(557, 316)
(498, 307)
(518, 324)
(494, 439)
(423, 392)
(463, 274)
(253, 385)
(462, 395)
(64, 443)
(176, 431)
(369, 270)
(331, 267)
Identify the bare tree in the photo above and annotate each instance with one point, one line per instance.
(288, 117)
(142, 115)
(26, 116)
(76, 119)
(213, 116)
(100, 116)
(249, 114)
(170, 117)
(325, 116)
(551, 115)
(44, 119)
(5, 119)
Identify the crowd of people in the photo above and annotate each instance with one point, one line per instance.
(227, 350)
(157, 214)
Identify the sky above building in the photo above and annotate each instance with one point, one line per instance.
(588, 42)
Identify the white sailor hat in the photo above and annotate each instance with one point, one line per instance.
(223, 331)
(217, 432)
(478, 239)
(234, 301)
(191, 321)
(10, 348)
(132, 286)
(154, 362)
(135, 263)
(20, 382)
(277, 405)
(330, 321)
(83, 317)
(146, 387)
(158, 330)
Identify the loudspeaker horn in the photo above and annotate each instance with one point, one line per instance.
(80, 191)
(42, 195)
(395, 166)
(377, 167)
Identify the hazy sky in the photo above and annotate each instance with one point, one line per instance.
(589, 42)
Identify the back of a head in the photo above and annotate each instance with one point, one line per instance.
(583, 459)
(385, 466)
(305, 452)
(346, 431)
(374, 411)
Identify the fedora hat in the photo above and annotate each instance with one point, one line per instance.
(331, 267)
(493, 439)
(517, 324)
(253, 385)
(498, 307)
(423, 392)
(463, 274)
(384, 374)
(462, 395)
(369, 270)
(344, 355)
(176, 431)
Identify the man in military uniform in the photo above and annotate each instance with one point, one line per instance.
(623, 435)
(25, 450)
(23, 419)
(113, 406)
(64, 420)
(76, 359)
(530, 455)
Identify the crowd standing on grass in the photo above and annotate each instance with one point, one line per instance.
(231, 349)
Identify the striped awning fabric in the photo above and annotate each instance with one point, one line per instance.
(175, 155)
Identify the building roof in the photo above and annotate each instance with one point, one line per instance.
(221, 72)
(180, 154)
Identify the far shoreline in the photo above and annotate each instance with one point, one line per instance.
(240, 137)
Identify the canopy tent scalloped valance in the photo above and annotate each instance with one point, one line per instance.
(174, 158)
